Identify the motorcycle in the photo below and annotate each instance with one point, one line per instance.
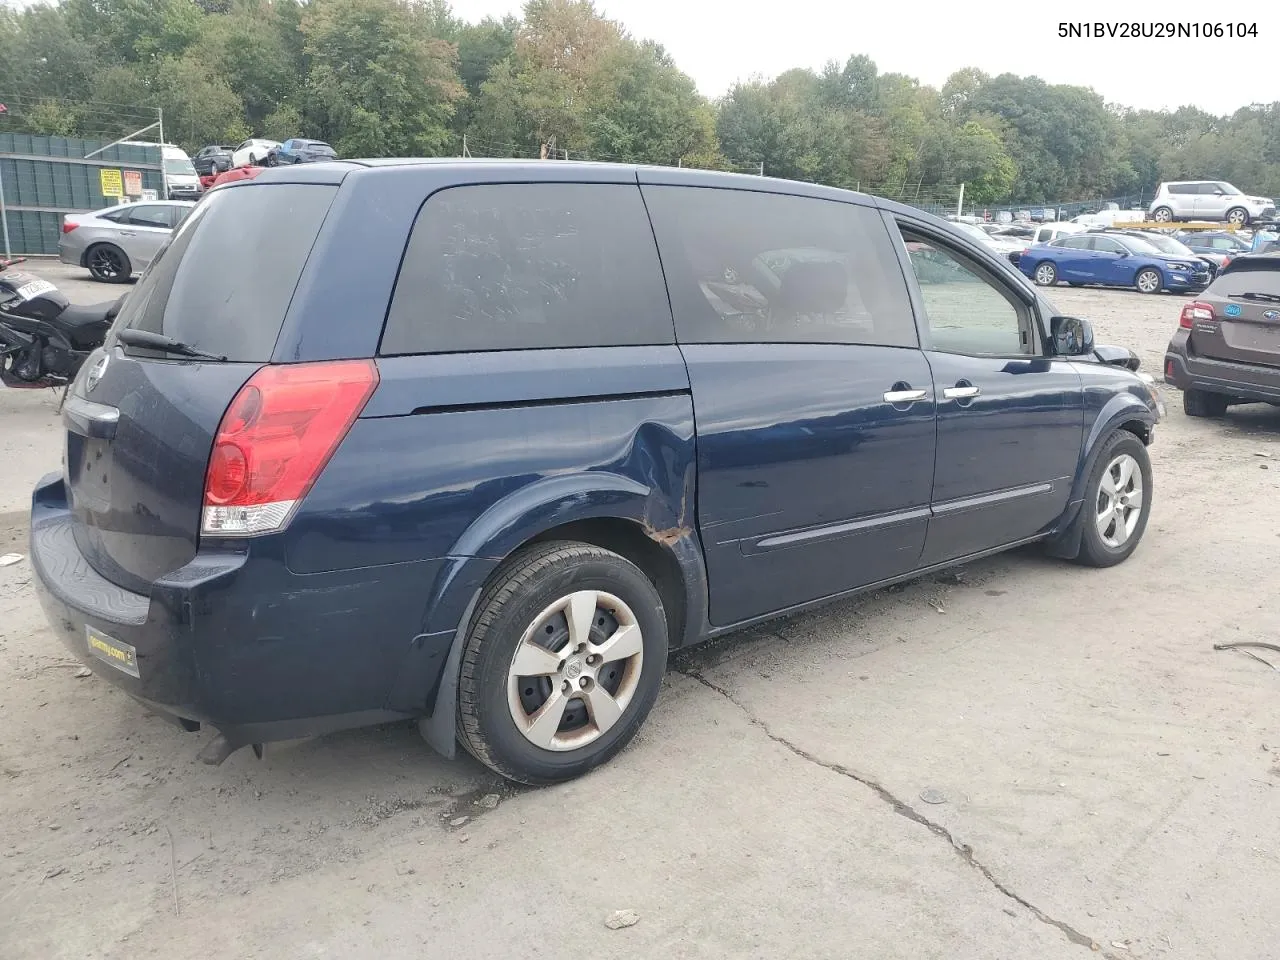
(44, 338)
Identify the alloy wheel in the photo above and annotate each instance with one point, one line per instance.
(1148, 281)
(1045, 275)
(105, 262)
(575, 670)
(1119, 505)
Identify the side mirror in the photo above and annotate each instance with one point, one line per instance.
(1072, 337)
(1117, 356)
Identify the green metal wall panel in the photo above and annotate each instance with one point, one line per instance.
(46, 177)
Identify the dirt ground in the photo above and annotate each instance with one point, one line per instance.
(1107, 781)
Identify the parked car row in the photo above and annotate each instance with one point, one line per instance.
(254, 152)
(270, 153)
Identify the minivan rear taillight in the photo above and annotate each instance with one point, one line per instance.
(275, 438)
(1194, 311)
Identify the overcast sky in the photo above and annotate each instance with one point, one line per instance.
(720, 41)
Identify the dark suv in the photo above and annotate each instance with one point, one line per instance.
(1227, 346)
(488, 439)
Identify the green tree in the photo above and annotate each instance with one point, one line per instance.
(248, 47)
(135, 30)
(379, 83)
(641, 108)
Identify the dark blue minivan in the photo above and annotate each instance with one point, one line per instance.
(478, 443)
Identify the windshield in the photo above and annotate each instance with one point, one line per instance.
(179, 167)
(1229, 189)
(1139, 245)
(1168, 245)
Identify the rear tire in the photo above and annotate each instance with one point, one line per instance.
(590, 630)
(107, 263)
(1162, 215)
(1199, 403)
(1117, 502)
(1046, 274)
(1148, 280)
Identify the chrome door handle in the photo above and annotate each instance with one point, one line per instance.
(960, 393)
(905, 396)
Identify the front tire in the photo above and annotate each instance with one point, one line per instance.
(1199, 403)
(1046, 274)
(107, 263)
(1148, 280)
(563, 662)
(1162, 215)
(1117, 502)
(1238, 217)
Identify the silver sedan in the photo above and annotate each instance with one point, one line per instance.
(118, 242)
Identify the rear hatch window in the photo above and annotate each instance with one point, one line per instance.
(224, 281)
(1246, 325)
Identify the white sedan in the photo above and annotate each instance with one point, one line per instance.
(252, 153)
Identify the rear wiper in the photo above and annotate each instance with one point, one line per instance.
(1265, 297)
(158, 341)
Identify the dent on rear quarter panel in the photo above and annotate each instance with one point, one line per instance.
(481, 482)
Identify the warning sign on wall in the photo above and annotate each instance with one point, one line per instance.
(133, 183)
(112, 183)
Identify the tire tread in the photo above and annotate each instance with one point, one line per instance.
(510, 579)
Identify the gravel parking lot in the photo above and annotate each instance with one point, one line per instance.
(1024, 759)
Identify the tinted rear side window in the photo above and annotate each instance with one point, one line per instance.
(765, 267)
(224, 281)
(523, 266)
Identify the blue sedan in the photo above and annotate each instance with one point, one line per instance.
(1113, 261)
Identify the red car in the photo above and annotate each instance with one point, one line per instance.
(229, 176)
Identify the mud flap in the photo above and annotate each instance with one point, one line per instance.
(440, 728)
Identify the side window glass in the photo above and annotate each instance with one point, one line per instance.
(1044, 236)
(965, 311)
(748, 267)
(524, 266)
(149, 216)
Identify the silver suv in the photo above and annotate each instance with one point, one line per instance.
(1207, 200)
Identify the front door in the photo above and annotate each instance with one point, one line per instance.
(813, 403)
(1112, 263)
(145, 229)
(1210, 201)
(1074, 257)
(1010, 418)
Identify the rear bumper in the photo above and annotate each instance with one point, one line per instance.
(241, 644)
(185, 193)
(1241, 380)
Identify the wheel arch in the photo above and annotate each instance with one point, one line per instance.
(1122, 412)
(605, 510)
(96, 244)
